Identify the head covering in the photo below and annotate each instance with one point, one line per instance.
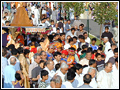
(65, 52)
(58, 45)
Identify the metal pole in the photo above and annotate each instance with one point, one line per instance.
(60, 9)
(88, 20)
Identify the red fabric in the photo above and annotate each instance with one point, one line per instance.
(18, 29)
(78, 56)
(93, 56)
(65, 52)
(103, 54)
(34, 50)
(63, 42)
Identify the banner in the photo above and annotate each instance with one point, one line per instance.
(35, 30)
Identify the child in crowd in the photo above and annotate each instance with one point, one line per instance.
(44, 76)
(103, 57)
(64, 54)
(58, 47)
(19, 81)
(94, 47)
(62, 38)
(100, 62)
(71, 58)
(100, 50)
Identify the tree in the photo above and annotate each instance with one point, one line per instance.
(77, 6)
(104, 11)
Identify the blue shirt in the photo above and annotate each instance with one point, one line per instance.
(4, 64)
(17, 65)
(94, 47)
(9, 76)
(65, 59)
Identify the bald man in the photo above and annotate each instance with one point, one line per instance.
(9, 74)
(104, 77)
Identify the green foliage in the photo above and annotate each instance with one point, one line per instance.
(104, 11)
(77, 6)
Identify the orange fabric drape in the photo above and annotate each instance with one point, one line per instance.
(21, 18)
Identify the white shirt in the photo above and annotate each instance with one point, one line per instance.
(115, 77)
(84, 61)
(36, 12)
(32, 9)
(55, 62)
(66, 46)
(70, 33)
(3, 21)
(32, 60)
(85, 70)
(47, 23)
(61, 75)
(78, 80)
(104, 79)
(58, 70)
(50, 75)
(48, 86)
(108, 55)
(87, 40)
(107, 47)
(93, 83)
(84, 44)
(43, 11)
(35, 22)
(55, 30)
(67, 84)
(8, 17)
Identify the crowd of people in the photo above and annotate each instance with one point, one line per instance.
(63, 58)
(35, 11)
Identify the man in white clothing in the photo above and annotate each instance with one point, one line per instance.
(49, 67)
(110, 54)
(92, 72)
(36, 13)
(92, 64)
(32, 8)
(35, 21)
(104, 77)
(85, 61)
(47, 21)
(62, 72)
(79, 76)
(87, 39)
(115, 75)
(70, 78)
(72, 33)
(107, 45)
(69, 44)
